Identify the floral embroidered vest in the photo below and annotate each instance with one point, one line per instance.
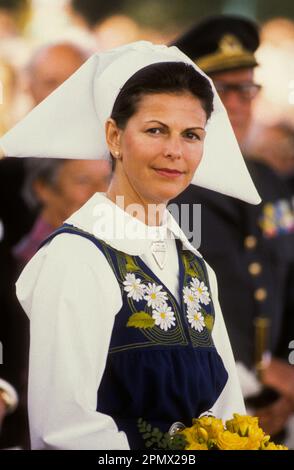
(162, 364)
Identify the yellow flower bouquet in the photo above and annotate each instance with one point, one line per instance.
(209, 433)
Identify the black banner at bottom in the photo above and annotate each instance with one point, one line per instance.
(133, 459)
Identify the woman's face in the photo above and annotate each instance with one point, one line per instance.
(161, 147)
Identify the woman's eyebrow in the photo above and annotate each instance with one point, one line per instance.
(159, 122)
(193, 128)
(165, 125)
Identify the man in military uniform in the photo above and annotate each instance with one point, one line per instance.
(249, 247)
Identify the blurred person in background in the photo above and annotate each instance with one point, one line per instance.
(8, 400)
(48, 68)
(278, 31)
(274, 377)
(274, 104)
(255, 266)
(14, 15)
(14, 18)
(7, 94)
(274, 145)
(15, 51)
(106, 21)
(15, 220)
(91, 13)
(58, 188)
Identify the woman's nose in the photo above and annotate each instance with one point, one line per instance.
(173, 148)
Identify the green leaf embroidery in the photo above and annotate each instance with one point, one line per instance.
(130, 265)
(141, 320)
(188, 269)
(209, 321)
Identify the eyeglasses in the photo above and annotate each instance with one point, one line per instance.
(245, 90)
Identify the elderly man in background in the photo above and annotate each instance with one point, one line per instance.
(50, 66)
(58, 188)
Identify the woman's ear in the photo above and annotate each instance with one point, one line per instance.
(43, 192)
(113, 138)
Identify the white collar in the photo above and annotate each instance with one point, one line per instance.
(107, 221)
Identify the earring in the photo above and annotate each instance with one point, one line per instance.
(117, 154)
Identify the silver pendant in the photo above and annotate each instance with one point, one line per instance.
(158, 250)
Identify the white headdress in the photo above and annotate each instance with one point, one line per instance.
(70, 123)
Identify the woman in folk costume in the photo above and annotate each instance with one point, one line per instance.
(125, 320)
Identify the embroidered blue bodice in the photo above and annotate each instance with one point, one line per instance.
(162, 364)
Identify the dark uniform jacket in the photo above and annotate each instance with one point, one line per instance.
(251, 249)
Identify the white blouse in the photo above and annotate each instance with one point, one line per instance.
(71, 295)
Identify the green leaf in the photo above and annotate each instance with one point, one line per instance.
(130, 265)
(141, 320)
(156, 439)
(192, 273)
(209, 321)
(186, 263)
(177, 442)
(188, 268)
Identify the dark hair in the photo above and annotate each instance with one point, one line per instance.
(40, 169)
(163, 77)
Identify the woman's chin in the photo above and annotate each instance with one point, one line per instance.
(173, 194)
(165, 193)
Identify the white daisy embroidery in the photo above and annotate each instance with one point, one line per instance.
(155, 296)
(190, 298)
(195, 319)
(134, 287)
(164, 317)
(200, 290)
